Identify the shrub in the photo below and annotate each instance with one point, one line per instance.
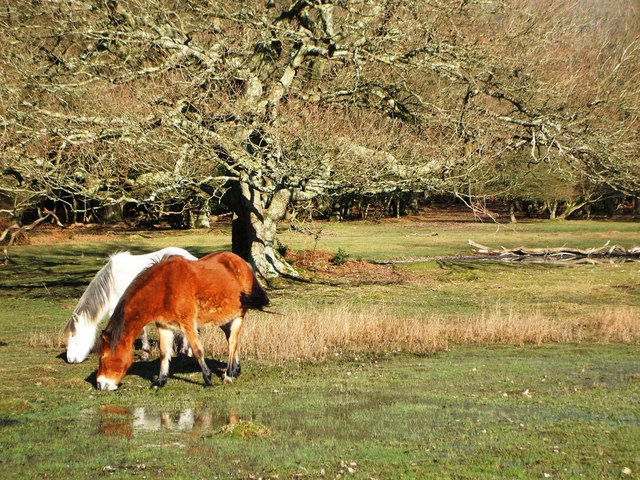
(340, 257)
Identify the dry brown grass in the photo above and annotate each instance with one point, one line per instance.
(621, 324)
(53, 338)
(315, 334)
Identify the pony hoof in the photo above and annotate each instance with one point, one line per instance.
(227, 380)
(161, 382)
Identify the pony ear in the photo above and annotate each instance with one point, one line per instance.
(102, 339)
(105, 337)
(70, 327)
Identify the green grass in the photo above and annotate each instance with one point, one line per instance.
(469, 288)
(489, 411)
(402, 239)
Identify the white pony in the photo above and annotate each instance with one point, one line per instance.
(102, 295)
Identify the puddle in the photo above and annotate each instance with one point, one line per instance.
(128, 422)
(342, 415)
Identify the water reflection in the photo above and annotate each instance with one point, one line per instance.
(126, 422)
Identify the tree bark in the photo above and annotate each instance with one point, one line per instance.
(253, 229)
(512, 213)
(570, 208)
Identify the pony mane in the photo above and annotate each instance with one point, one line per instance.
(163, 258)
(97, 293)
(115, 327)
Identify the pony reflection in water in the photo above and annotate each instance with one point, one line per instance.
(176, 293)
(102, 295)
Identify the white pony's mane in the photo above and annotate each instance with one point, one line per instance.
(98, 292)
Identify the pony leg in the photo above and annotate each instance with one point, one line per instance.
(232, 331)
(191, 334)
(166, 352)
(146, 346)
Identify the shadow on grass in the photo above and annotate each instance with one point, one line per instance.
(180, 365)
(70, 268)
(491, 264)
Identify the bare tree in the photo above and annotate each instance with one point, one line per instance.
(267, 103)
(567, 77)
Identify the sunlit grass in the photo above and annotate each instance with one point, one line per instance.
(420, 238)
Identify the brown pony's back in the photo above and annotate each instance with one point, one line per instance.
(253, 297)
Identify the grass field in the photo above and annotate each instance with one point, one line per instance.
(427, 369)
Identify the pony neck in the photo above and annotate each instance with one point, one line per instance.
(127, 332)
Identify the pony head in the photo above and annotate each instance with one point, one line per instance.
(81, 337)
(113, 365)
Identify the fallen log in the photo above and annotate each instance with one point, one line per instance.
(564, 252)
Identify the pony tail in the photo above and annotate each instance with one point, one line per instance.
(257, 298)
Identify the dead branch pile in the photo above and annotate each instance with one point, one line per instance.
(559, 252)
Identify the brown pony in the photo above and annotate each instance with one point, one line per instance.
(179, 293)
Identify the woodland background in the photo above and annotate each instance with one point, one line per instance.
(163, 113)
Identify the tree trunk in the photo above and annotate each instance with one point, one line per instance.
(200, 217)
(253, 229)
(570, 208)
(512, 212)
(112, 213)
